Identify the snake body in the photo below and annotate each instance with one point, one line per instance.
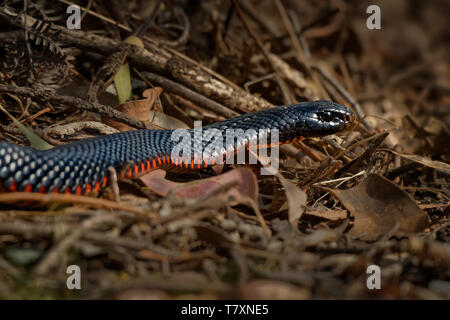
(81, 167)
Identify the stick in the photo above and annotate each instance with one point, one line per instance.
(200, 100)
(78, 103)
(159, 60)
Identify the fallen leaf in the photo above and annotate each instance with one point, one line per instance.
(142, 110)
(243, 179)
(152, 93)
(377, 205)
(296, 199)
(138, 109)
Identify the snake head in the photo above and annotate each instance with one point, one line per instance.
(334, 117)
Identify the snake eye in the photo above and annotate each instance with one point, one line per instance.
(326, 116)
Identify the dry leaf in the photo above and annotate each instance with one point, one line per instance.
(296, 199)
(152, 93)
(245, 185)
(377, 205)
(138, 109)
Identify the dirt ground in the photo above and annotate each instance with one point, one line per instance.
(363, 214)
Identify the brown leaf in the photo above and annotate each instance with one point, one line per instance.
(138, 109)
(296, 199)
(152, 93)
(156, 181)
(377, 205)
(243, 180)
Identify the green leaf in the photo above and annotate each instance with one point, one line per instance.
(122, 81)
(35, 141)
